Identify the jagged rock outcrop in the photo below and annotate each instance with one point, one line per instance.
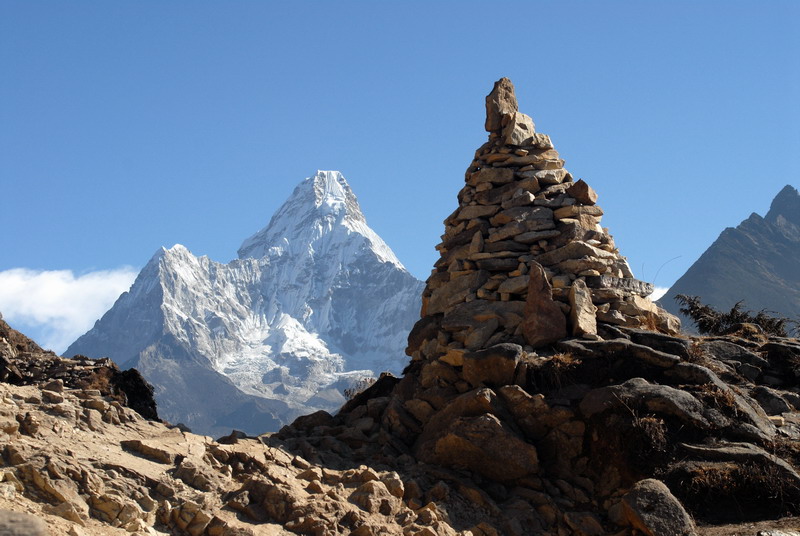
(756, 263)
(23, 362)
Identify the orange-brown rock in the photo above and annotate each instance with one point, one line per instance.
(544, 321)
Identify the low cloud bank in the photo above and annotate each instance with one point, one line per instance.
(55, 307)
(658, 293)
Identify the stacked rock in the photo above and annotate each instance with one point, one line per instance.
(523, 258)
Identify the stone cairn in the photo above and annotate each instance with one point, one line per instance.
(524, 259)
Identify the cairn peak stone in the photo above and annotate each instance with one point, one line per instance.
(502, 101)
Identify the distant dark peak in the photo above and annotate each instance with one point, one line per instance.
(786, 204)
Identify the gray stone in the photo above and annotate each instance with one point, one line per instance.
(519, 227)
(471, 212)
(522, 214)
(573, 250)
(651, 508)
(535, 236)
(638, 394)
(519, 130)
(771, 400)
(628, 284)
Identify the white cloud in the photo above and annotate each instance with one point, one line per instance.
(658, 293)
(55, 307)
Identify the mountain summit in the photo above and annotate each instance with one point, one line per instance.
(321, 212)
(315, 301)
(755, 262)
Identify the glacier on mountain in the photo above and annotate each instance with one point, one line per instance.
(315, 301)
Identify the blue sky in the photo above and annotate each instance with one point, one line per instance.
(125, 126)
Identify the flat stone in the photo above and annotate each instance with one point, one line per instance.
(523, 198)
(550, 176)
(627, 284)
(494, 175)
(519, 227)
(495, 196)
(471, 212)
(478, 337)
(638, 394)
(541, 141)
(514, 285)
(576, 210)
(498, 265)
(535, 236)
(573, 250)
(521, 214)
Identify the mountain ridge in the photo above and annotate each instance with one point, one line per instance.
(755, 262)
(315, 301)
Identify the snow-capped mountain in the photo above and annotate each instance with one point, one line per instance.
(315, 301)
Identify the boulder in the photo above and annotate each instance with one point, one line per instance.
(638, 394)
(652, 509)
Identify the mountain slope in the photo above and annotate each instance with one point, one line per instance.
(757, 262)
(315, 301)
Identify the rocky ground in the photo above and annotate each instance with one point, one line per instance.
(86, 464)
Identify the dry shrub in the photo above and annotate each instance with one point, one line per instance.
(696, 353)
(722, 399)
(557, 371)
(732, 492)
(650, 322)
(653, 431)
(710, 321)
(102, 379)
